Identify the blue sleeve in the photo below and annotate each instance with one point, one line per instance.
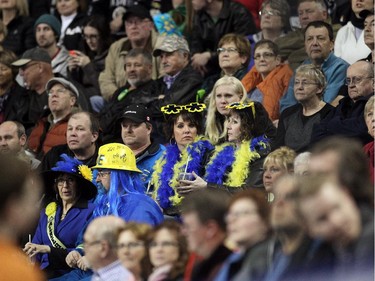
(288, 99)
(335, 82)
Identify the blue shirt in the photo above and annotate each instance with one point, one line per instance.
(334, 69)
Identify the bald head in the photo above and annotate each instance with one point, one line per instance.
(360, 80)
(100, 240)
(12, 137)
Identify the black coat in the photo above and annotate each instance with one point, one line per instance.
(20, 36)
(233, 18)
(182, 91)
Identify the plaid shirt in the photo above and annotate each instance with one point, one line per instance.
(113, 272)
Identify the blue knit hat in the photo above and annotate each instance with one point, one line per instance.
(50, 20)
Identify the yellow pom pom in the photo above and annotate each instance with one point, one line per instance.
(85, 171)
(51, 209)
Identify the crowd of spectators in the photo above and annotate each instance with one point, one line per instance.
(187, 140)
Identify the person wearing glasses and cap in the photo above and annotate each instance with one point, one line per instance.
(51, 130)
(141, 34)
(68, 190)
(120, 193)
(180, 82)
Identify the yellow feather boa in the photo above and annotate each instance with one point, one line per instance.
(240, 168)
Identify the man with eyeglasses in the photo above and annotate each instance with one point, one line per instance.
(100, 243)
(141, 34)
(36, 70)
(347, 118)
(319, 44)
(51, 130)
(47, 33)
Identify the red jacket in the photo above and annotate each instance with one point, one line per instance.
(273, 87)
(55, 135)
(254, 7)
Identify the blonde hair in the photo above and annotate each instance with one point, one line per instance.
(214, 129)
(283, 157)
(369, 105)
(22, 8)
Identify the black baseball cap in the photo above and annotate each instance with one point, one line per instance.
(137, 113)
(139, 11)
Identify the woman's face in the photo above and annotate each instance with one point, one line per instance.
(271, 172)
(271, 19)
(6, 75)
(130, 250)
(306, 89)
(91, 36)
(360, 5)
(230, 59)
(265, 60)
(370, 122)
(163, 248)
(234, 128)
(67, 7)
(244, 225)
(8, 4)
(224, 95)
(67, 187)
(184, 132)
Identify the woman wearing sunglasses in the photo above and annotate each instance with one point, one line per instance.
(185, 154)
(69, 187)
(237, 163)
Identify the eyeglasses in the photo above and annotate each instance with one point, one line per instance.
(57, 92)
(355, 80)
(135, 22)
(241, 105)
(130, 245)
(303, 83)
(266, 56)
(175, 109)
(238, 214)
(265, 12)
(68, 181)
(103, 174)
(23, 68)
(89, 244)
(91, 37)
(164, 244)
(229, 50)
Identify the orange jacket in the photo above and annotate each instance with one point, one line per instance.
(55, 135)
(273, 87)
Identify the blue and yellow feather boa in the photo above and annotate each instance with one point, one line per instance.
(227, 155)
(171, 164)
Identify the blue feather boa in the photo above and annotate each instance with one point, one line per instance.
(224, 158)
(165, 182)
